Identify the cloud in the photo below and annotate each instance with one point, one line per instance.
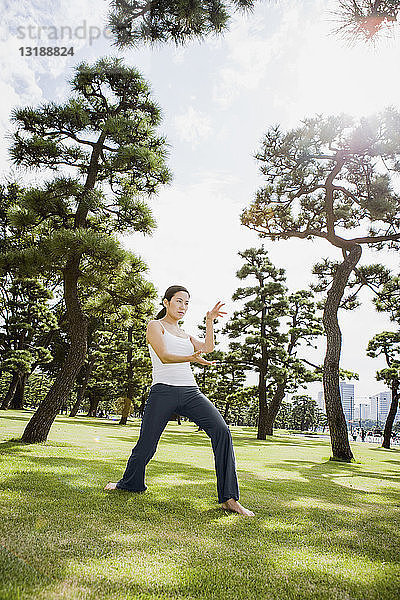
(251, 50)
(198, 233)
(192, 126)
(31, 80)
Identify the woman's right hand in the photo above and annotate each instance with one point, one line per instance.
(195, 357)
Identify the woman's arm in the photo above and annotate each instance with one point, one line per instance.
(208, 344)
(155, 337)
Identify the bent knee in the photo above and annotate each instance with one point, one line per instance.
(222, 431)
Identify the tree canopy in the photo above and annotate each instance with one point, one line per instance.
(133, 22)
(108, 157)
(331, 178)
(328, 176)
(268, 329)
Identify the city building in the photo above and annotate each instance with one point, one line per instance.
(321, 401)
(362, 411)
(365, 411)
(347, 396)
(380, 405)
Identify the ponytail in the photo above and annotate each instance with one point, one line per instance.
(162, 313)
(170, 292)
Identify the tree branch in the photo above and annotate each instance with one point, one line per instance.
(330, 215)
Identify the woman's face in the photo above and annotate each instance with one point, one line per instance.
(178, 305)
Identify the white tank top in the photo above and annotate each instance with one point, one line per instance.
(173, 373)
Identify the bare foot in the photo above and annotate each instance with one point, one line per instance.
(110, 486)
(234, 506)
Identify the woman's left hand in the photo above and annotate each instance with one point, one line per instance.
(216, 312)
(203, 361)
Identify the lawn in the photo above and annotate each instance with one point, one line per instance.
(322, 530)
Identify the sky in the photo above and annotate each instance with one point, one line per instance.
(218, 97)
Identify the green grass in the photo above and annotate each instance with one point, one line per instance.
(323, 530)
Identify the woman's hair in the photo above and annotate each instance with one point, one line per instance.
(169, 293)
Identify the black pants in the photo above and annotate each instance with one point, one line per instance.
(163, 401)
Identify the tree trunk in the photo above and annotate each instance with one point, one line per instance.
(391, 416)
(303, 423)
(10, 392)
(82, 388)
(17, 403)
(262, 406)
(94, 403)
(126, 409)
(334, 410)
(77, 403)
(226, 412)
(129, 377)
(262, 388)
(273, 408)
(39, 426)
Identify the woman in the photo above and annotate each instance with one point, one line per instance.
(174, 390)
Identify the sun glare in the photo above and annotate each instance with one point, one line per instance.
(333, 78)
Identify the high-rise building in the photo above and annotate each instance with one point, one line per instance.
(361, 411)
(365, 411)
(380, 405)
(321, 401)
(347, 396)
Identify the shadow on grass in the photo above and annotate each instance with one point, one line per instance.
(392, 450)
(242, 438)
(394, 462)
(28, 448)
(166, 527)
(338, 468)
(171, 543)
(198, 438)
(88, 422)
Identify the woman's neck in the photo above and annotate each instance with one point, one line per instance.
(170, 320)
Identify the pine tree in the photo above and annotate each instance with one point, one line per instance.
(230, 374)
(387, 344)
(105, 135)
(138, 364)
(283, 418)
(276, 323)
(258, 320)
(117, 352)
(25, 316)
(330, 175)
(133, 22)
(303, 326)
(304, 413)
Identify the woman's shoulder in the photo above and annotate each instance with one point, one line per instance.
(155, 324)
(154, 332)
